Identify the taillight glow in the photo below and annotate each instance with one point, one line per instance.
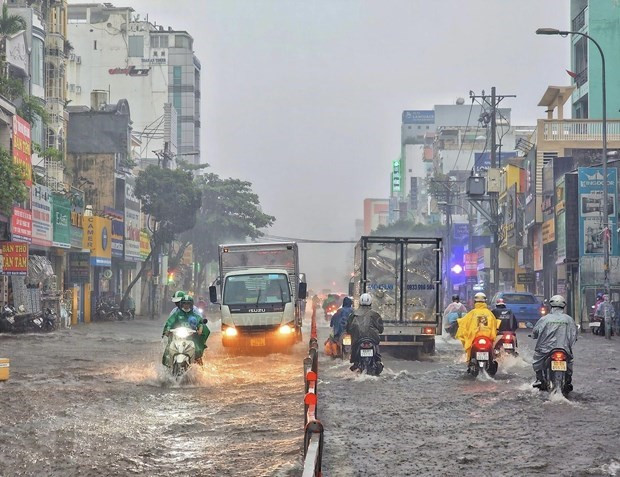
(429, 330)
(507, 337)
(481, 341)
(543, 311)
(558, 356)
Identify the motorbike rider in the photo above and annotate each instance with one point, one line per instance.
(507, 317)
(452, 312)
(605, 310)
(186, 316)
(480, 321)
(340, 318)
(364, 323)
(555, 330)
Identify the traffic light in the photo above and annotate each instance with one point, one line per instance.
(170, 277)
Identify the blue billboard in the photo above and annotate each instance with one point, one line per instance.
(419, 117)
(591, 210)
(482, 160)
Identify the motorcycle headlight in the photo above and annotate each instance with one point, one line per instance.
(200, 310)
(181, 332)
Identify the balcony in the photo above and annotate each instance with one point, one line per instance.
(581, 78)
(580, 20)
(579, 130)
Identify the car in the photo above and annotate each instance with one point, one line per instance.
(526, 307)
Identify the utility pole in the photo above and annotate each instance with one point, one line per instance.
(492, 102)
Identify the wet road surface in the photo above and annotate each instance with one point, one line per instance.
(431, 418)
(95, 401)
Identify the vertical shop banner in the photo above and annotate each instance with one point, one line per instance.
(118, 230)
(22, 154)
(132, 222)
(61, 220)
(42, 232)
(14, 258)
(591, 210)
(538, 249)
(145, 245)
(560, 220)
(97, 232)
(21, 225)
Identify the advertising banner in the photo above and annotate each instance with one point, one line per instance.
(14, 258)
(118, 230)
(22, 154)
(61, 216)
(419, 116)
(97, 232)
(132, 222)
(21, 225)
(145, 245)
(591, 210)
(41, 216)
(78, 267)
(471, 264)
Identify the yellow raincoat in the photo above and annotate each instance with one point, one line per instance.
(478, 322)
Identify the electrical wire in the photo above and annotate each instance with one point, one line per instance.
(304, 240)
(464, 134)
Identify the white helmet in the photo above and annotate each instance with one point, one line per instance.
(557, 301)
(480, 297)
(366, 299)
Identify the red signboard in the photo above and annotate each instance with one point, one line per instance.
(22, 147)
(14, 258)
(21, 225)
(471, 264)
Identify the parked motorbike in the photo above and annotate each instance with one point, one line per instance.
(181, 351)
(50, 320)
(482, 357)
(506, 344)
(555, 373)
(368, 358)
(7, 319)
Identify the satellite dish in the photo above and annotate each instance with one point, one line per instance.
(107, 274)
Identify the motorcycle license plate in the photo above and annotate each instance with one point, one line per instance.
(38, 321)
(595, 324)
(366, 353)
(346, 341)
(257, 341)
(509, 346)
(558, 365)
(482, 355)
(522, 325)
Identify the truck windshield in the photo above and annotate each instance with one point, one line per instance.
(257, 289)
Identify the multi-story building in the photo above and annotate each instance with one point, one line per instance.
(154, 67)
(600, 20)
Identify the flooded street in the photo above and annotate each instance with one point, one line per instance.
(431, 418)
(95, 401)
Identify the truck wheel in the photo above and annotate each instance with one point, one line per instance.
(429, 347)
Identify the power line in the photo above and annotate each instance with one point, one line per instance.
(464, 134)
(305, 240)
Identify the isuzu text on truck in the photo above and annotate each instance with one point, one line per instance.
(261, 294)
(403, 275)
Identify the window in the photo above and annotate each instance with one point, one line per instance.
(182, 41)
(257, 289)
(158, 41)
(513, 298)
(136, 46)
(36, 64)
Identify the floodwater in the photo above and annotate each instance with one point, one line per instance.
(95, 400)
(431, 418)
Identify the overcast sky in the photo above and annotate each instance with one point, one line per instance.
(304, 98)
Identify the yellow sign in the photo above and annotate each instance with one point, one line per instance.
(548, 231)
(145, 245)
(97, 238)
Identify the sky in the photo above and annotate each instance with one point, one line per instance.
(304, 98)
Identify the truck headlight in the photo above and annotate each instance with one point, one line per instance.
(285, 330)
(419, 316)
(231, 331)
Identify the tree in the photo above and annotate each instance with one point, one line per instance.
(171, 199)
(12, 187)
(230, 211)
(408, 228)
(31, 109)
(10, 24)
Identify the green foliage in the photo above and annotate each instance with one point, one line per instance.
(230, 211)
(408, 228)
(31, 108)
(10, 24)
(171, 198)
(12, 187)
(11, 88)
(47, 153)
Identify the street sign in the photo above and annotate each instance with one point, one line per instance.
(525, 278)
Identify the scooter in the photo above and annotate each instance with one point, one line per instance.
(368, 358)
(555, 373)
(506, 344)
(181, 351)
(7, 319)
(482, 357)
(49, 320)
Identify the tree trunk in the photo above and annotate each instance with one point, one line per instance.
(176, 260)
(135, 280)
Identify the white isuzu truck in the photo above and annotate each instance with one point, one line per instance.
(261, 294)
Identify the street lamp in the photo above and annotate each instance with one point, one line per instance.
(605, 218)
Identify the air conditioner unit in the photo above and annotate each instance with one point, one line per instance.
(71, 87)
(72, 57)
(78, 59)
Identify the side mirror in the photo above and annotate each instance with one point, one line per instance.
(213, 294)
(205, 321)
(303, 288)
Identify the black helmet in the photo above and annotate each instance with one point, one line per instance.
(456, 298)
